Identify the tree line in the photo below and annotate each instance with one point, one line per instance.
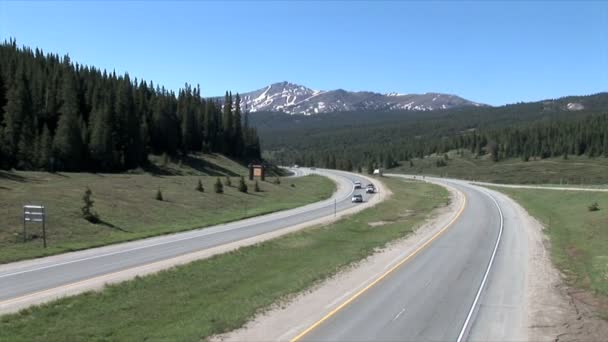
(59, 115)
(385, 146)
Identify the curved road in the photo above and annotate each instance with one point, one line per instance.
(437, 295)
(34, 281)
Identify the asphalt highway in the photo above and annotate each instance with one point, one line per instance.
(34, 277)
(468, 284)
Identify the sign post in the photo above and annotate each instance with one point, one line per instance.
(34, 213)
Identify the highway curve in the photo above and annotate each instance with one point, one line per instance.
(35, 281)
(467, 284)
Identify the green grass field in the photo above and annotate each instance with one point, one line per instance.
(207, 297)
(126, 203)
(579, 237)
(574, 170)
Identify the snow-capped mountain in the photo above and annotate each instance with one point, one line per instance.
(296, 99)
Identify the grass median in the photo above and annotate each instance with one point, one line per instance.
(128, 208)
(216, 295)
(579, 236)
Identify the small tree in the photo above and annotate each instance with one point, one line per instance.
(218, 186)
(242, 185)
(199, 186)
(87, 212)
(256, 187)
(594, 207)
(277, 181)
(159, 195)
(359, 169)
(228, 182)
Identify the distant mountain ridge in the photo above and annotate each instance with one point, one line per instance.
(292, 98)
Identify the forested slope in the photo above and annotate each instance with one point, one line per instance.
(348, 140)
(59, 115)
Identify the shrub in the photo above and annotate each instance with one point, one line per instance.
(277, 181)
(218, 187)
(594, 207)
(292, 185)
(86, 209)
(159, 195)
(228, 182)
(242, 185)
(256, 187)
(199, 186)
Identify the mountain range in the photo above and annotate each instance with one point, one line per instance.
(292, 98)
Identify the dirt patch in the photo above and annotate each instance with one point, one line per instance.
(407, 213)
(378, 223)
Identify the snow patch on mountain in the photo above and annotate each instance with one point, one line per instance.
(296, 99)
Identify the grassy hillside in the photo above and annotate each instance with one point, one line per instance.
(127, 206)
(574, 170)
(579, 238)
(207, 297)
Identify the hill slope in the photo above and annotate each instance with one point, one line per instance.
(361, 136)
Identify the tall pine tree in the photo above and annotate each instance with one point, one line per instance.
(67, 144)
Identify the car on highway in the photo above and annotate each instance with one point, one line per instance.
(357, 198)
(357, 185)
(370, 189)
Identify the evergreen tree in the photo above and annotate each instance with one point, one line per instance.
(128, 128)
(218, 186)
(237, 139)
(67, 144)
(86, 209)
(101, 146)
(45, 150)
(242, 185)
(18, 108)
(228, 130)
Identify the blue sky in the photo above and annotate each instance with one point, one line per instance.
(491, 52)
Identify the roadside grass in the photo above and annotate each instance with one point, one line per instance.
(579, 237)
(128, 208)
(574, 170)
(207, 297)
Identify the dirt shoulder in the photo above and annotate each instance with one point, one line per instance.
(555, 311)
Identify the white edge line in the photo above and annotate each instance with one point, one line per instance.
(485, 277)
(329, 204)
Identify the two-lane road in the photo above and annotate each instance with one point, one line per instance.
(437, 294)
(34, 281)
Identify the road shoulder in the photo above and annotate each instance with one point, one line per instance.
(308, 307)
(553, 312)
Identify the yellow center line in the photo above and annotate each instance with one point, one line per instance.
(385, 274)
